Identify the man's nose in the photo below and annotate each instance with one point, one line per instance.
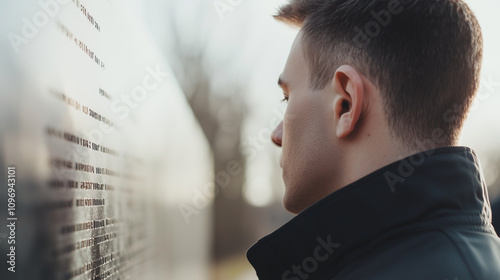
(277, 135)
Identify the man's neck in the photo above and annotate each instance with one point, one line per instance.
(374, 148)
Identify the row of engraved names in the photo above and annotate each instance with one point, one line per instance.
(131, 239)
(65, 164)
(80, 141)
(117, 260)
(101, 224)
(57, 184)
(87, 15)
(79, 107)
(68, 164)
(81, 45)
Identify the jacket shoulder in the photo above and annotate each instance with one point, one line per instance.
(480, 252)
(436, 254)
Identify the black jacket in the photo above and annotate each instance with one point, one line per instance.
(425, 217)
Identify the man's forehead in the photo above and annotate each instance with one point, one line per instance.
(295, 66)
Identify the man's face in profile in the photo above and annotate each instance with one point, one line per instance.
(310, 158)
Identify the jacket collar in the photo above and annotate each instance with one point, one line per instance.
(433, 189)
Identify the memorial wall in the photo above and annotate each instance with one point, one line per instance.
(98, 148)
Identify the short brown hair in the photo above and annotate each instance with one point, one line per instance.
(424, 56)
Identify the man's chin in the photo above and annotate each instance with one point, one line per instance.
(293, 205)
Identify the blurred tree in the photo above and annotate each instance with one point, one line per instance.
(221, 113)
(493, 171)
(494, 189)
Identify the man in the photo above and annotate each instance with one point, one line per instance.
(377, 94)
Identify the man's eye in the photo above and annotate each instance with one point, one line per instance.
(285, 99)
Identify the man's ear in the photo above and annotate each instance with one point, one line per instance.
(348, 102)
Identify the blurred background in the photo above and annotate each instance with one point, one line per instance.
(226, 56)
